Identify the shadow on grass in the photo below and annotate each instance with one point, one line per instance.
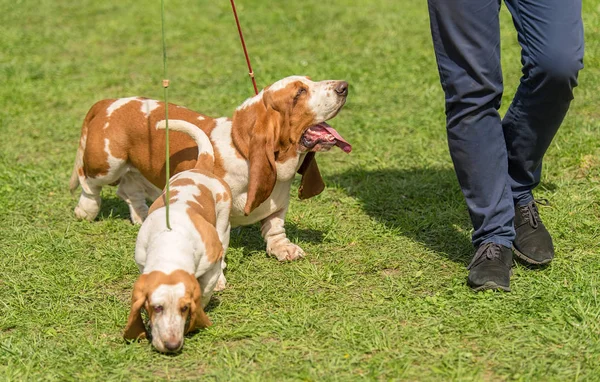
(423, 204)
(113, 207)
(214, 303)
(250, 240)
(248, 237)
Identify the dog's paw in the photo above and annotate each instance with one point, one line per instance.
(136, 219)
(221, 283)
(138, 213)
(82, 214)
(286, 251)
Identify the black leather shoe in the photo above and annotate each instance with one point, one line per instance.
(533, 243)
(490, 268)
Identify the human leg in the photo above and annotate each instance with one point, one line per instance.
(550, 33)
(466, 37)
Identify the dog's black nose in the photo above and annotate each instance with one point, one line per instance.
(172, 345)
(342, 88)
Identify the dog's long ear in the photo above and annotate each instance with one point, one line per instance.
(311, 183)
(135, 328)
(198, 319)
(263, 172)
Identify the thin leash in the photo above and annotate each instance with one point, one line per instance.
(250, 72)
(165, 84)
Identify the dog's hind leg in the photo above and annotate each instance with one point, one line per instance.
(133, 192)
(152, 192)
(223, 227)
(89, 202)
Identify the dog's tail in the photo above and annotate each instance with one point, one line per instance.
(78, 177)
(77, 174)
(74, 182)
(206, 154)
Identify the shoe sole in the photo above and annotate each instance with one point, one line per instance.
(490, 285)
(529, 260)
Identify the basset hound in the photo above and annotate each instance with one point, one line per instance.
(271, 136)
(181, 267)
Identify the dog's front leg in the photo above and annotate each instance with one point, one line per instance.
(278, 245)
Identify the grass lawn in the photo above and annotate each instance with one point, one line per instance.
(381, 293)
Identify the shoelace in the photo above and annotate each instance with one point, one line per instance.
(488, 250)
(530, 212)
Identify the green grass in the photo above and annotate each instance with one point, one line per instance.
(381, 293)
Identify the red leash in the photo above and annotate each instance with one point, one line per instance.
(250, 72)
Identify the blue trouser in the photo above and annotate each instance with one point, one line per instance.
(498, 161)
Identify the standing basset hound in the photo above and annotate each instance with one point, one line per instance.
(181, 267)
(271, 136)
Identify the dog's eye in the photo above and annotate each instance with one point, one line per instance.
(158, 308)
(298, 94)
(184, 309)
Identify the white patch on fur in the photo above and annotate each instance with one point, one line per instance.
(221, 135)
(148, 105)
(166, 294)
(158, 249)
(168, 325)
(286, 81)
(287, 169)
(251, 101)
(113, 162)
(324, 101)
(236, 168)
(201, 118)
(118, 103)
(105, 126)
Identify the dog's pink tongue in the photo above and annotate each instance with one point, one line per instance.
(340, 141)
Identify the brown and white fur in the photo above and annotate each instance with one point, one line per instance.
(181, 267)
(257, 152)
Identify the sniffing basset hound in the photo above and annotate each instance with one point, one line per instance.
(181, 267)
(271, 136)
